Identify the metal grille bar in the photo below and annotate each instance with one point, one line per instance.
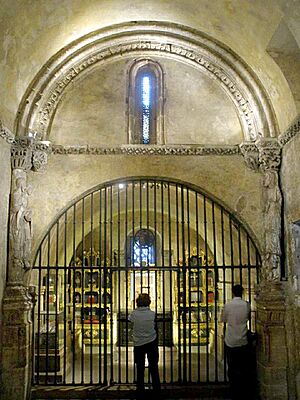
(140, 235)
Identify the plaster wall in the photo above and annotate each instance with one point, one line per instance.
(67, 177)
(196, 108)
(5, 190)
(33, 31)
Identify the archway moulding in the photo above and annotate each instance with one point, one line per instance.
(37, 108)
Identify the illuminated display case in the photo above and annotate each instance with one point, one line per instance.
(91, 289)
(196, 305)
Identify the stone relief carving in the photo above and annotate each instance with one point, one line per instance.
(269, 153)
(6, 134)
(20, 224)
(270, 158)
(292, 131)
(147, 150)
(39, 160)
(250, 153)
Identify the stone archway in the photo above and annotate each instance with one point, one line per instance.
(39, 103)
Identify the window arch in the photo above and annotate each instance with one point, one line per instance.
(145, 103)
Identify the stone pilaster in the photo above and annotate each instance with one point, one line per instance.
(17, 301)
(17, 352)
(272, 354)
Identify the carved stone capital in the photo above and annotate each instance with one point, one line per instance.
(251, 155)
(269, 153)
(21, 154)
(28, 154)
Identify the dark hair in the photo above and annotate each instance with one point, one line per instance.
(237, 290)
(143, 300)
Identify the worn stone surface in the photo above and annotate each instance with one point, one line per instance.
(193, 113)
(291, 181)
(81, 173)
(47, 28)
(5, 189)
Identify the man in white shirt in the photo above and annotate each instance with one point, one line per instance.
(236, 315)
(145, 342)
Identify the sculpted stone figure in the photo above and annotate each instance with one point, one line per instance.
(21, 230)
(272, 210)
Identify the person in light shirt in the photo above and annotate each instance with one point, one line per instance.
(145, 342)
(236, 315)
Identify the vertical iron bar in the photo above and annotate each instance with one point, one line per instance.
(206, 289)
(105, 381)
(37, 340)
(101, 310)
(111, 288)
(47, 308)
(163, 278)
(65, 302)
(199, 276)
(224, 287)
(215, 279)
(184, 310)
(82, 290)
(91, 286)
(171, 283)
(56, 345)
(119, 285)
(178, 285)
(73, 295)
(189, 285)
(249, 276)
(240, 254)
(128, 243)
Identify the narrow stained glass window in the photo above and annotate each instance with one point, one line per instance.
(145, 103)
(146, 93)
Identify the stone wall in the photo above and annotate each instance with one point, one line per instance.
(291, 187)
(5, 190)
(196, 108)
(67, 177)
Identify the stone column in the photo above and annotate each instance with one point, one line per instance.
(272, 355)
(17, 301)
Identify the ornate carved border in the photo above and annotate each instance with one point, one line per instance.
(292, 131)
(6, 134)
(147, 150)
(40, 100)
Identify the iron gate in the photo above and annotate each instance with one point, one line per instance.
(157, 236)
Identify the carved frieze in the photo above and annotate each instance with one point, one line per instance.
(147, 150)
(292, 131)
(6, 134)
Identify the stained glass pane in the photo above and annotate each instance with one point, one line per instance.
(143, 248)
(146, 95)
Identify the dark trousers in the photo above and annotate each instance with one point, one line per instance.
(151, 349)
(240, 372)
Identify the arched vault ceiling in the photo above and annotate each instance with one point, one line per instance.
(33, 31)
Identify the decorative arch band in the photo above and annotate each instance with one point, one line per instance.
(37, 108)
